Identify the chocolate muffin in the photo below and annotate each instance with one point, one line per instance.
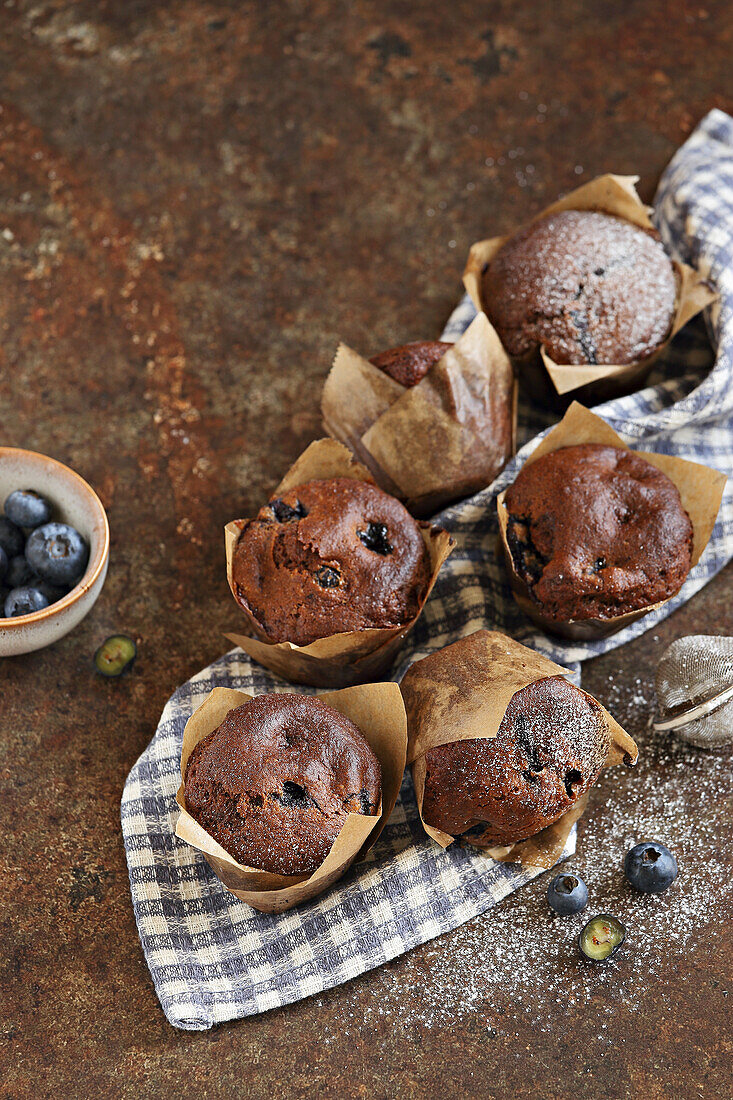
(274, 782)
(549, 749)
(410, 363)
(596, 532)
(329, 557)
(590, 287)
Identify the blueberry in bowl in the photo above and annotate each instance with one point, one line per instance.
(567, 894)
(57, 553)
(12, 540)
(18, 573)
(65, 567)
(24, 601)
(27, 508)
(650, 867)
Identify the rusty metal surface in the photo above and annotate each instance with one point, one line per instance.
(197, 201)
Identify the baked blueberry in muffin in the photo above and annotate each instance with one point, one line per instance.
(549, 749)
(329, 557)
(274, 783)
(409, 363)
(589, 286)
(596, 532)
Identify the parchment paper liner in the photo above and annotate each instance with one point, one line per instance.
(612, 195)
(700, 487)
(378, 711)
(461, 693)
(439, 441)
(340, 659)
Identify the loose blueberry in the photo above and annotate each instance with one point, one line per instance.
(650, 867)
(57, 553)
(567, 894)
(601, 937)
(11, 537)
(4, 564)
(375, 538)
(28, 508)
(24, 601)
(115, 655)
(19, 572)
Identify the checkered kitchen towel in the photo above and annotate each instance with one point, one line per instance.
(211, 957)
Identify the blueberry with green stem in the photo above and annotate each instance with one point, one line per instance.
(28, 508)
(24, 601)
(115, 655)
(650, 867)
(567, 894)
(601, 937)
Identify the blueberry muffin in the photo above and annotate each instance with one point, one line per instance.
(410, 363)
(596, 532)
(274, 783)
(328, 557)
(549, 749)
(590, 287)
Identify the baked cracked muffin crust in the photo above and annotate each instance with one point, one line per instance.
(274, 783)
(328, 557)
(549, 749)
(409, 363)
(597, 531)
(591, 287)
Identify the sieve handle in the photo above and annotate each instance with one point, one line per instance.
(698, 711)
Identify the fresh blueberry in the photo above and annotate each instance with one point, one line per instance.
(4, 563)
(650, 867)
(19, 572)
(28, 508)
(567, 894)
(116, 655)
(57, 553)
(24, 601)
(601, 937)
(11, 537)
(52, 592)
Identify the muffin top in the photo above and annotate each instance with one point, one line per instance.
(328, 557)
(274, 782)
(597, 531)
(548, 750)
(591, 287)
(410, 363)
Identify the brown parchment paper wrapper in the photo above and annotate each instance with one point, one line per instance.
(378, 711)
(700, 487)
(611, 195)
(436, 442)
(461, 693)
(338, 660)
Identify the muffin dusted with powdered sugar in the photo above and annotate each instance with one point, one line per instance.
(588, 286)
(549, 749)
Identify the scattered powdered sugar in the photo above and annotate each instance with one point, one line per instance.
(519, 960)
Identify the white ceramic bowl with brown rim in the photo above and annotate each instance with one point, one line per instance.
(73, 502)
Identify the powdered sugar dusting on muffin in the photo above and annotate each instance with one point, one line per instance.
(591, 287)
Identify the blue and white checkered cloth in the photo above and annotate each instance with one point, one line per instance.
(211, 957)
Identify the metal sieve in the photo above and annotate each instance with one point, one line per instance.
(695, 690)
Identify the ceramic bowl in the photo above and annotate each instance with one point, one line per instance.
(76, 503)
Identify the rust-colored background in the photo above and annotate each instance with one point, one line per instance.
(197, 201)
